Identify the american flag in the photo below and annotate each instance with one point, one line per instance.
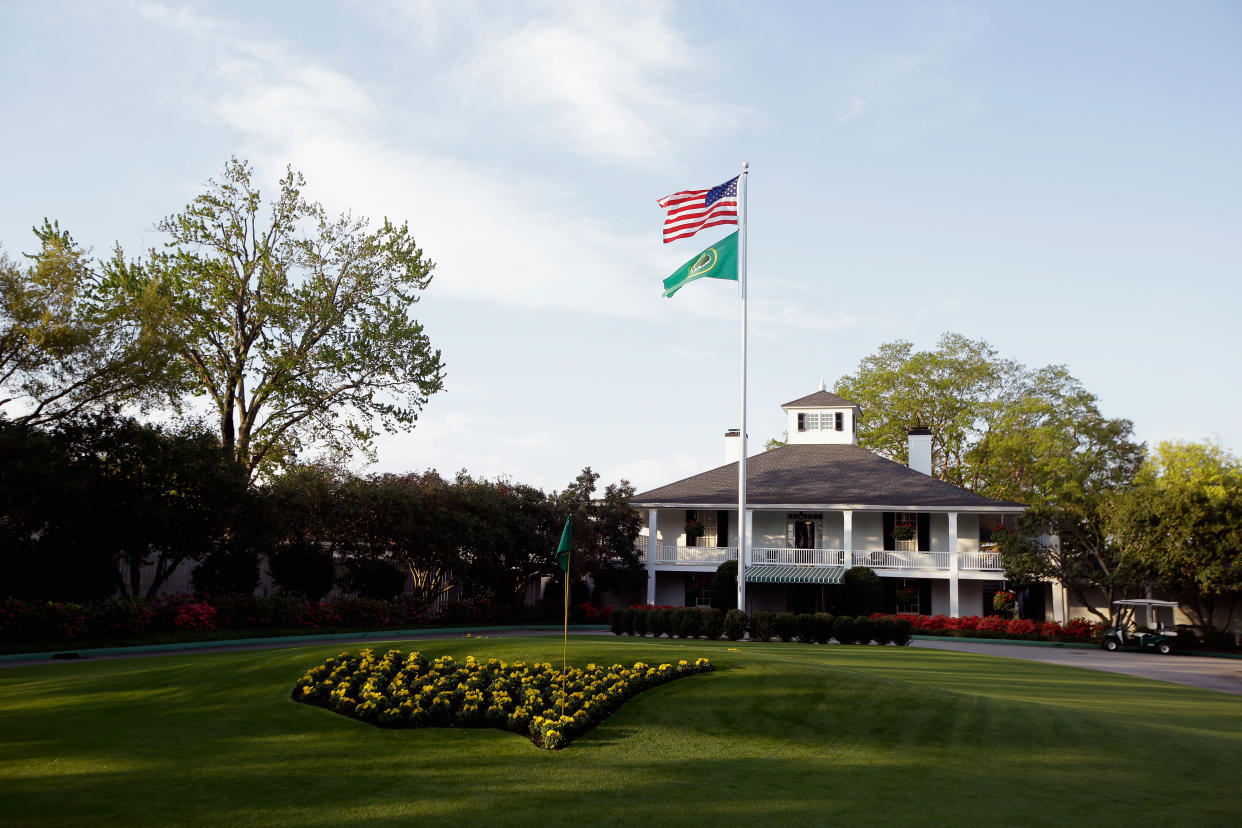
(691, 210)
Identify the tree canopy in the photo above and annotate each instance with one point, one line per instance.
(295, 325)
(63, 349)
(1002, 429)
(1032, 436)
(1180, 526)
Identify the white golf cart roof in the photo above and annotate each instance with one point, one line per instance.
(1145, 602)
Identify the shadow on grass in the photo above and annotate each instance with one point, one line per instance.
(799, 735)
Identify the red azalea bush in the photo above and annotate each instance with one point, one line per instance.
(196, 615)
(593, 615)
(997, 626)
(124, 619)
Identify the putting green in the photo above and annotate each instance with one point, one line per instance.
(788, 732)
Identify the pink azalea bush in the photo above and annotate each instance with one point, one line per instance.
(998, 626)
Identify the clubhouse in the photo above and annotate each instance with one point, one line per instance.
(820, 505)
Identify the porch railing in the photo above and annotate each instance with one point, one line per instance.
(980, 560)
(889, 559)
(671, 554)
(797, 557)
(695, 555)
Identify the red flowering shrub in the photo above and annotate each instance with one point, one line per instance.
(993, 624)
(592, 615)
(195, 615)
(967, 623)
(319, 614)
(1023, 627)
(1050, 630)
(1080, 629)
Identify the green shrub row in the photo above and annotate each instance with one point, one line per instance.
(808, 628)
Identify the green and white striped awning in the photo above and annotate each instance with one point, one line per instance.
(784, 574)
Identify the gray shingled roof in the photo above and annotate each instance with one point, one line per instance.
(824, 399)
(818, 475)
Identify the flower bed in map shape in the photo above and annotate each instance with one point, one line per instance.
(537, 700)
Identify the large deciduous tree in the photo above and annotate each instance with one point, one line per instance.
(295, 325)
(1034, 436)
(1180, 524)
(604, 532)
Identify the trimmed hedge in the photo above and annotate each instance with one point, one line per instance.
(821, 627)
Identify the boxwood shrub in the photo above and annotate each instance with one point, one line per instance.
(901, 631)
(864, 629)
(641, 617)
(617, 621)
(804, 625)
(735, 624)
(883, 633)
(713, 623)
(761, 626)
(843, 629)
(823, 627)
(783, 625)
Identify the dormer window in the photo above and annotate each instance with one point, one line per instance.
(821, 421)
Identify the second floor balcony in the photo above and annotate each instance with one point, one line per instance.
(667, 555)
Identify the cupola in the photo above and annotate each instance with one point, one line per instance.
(822, 418)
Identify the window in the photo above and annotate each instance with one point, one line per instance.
(701, 527)
(825, 421)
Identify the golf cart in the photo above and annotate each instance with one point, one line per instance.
(1145, 630)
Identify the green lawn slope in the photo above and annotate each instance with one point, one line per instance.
(789, 733)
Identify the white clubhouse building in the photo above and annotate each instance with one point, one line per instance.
(820, 505)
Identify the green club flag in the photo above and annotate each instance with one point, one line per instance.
(562, 550)
(716, 262)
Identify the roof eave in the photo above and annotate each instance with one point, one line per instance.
(999, 508)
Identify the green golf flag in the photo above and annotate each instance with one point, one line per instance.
(562, 550)
(716, 262)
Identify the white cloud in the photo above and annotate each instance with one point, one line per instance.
(613, 82)
(856, 107)
(496, 235)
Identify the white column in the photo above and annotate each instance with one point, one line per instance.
(653, 547)
(847, 536)
(954, 608)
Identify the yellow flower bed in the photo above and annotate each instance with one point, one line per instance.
(537, 700)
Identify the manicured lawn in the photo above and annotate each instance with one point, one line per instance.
(787, 733)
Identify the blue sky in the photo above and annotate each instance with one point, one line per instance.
(1059, 179)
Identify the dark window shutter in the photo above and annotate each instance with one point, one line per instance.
(888, 531)
(925, 607)
(801, 422)
(722, 528)
(924, 532)
(840, 421)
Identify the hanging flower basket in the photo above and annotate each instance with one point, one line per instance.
(1004, 602)
(903, 531)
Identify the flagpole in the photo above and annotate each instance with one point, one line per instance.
(743, 545)
(565, 639)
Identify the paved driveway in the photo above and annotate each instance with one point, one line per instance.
(1224, 674)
